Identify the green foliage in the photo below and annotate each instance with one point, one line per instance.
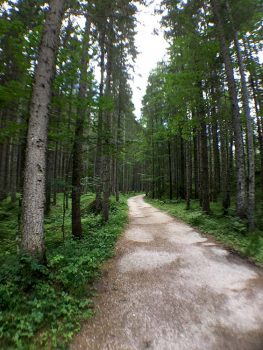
(51, 301)
(226, 229)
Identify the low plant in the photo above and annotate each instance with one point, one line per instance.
(229, 230)
(43, 306)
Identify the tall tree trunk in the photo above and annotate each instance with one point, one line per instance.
(250, 138)
(188, 173)
(216, 158)
(225, 166)
(249, 129)
(48, 181)
(215, 139)
(259, 128)
(78, 139)
(153, 163)
(3, 167)
(55, 171)
(35, 165)
(239, 151)
(196, 171)
(106, 154)
(253, 83)
(118, 140)
(98, 182)
(204, 166)
(182, 168)
(204, 169)
(170, 171)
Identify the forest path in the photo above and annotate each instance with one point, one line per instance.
(170, 288)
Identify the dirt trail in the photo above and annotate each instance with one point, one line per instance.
(170, 288)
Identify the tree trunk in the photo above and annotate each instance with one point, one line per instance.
(204, 170)
(106, 155)
(225, 169)
(35, 165)
(188, 174)
(196, 171)
(48, 181)
(249, 133)
(170, 171)
(118, 140)
(78, 139)
(250, 139)
(239, 151)
(98, 183)
(253, 83)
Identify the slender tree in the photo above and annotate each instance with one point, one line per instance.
(239, 150)
(78, 139)
(249, 127)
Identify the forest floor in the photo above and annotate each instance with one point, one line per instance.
(171, 288)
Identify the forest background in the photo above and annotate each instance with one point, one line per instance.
(72, 150)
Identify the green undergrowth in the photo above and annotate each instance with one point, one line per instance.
(42, 307)
(229, 230)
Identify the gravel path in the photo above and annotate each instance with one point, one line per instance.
(170, 288)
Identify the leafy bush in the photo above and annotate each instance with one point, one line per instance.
(43, 306)
(196, 219)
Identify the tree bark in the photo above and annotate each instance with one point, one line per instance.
(250, 138)
(106, 154)
(98, 183)
(78, 139)
(204, 169)
(188, 174)
(254, 85)
(239, 151)
(170, 171)
(35, 165)
(118, 140)
(249, 129)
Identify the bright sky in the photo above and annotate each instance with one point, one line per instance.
(151, 48)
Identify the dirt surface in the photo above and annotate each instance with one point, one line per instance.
(170, 288)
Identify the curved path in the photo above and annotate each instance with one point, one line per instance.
(170, 288)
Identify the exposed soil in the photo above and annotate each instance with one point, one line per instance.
(170, 288)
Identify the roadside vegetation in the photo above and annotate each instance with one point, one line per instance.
(229, 230)
(42, 306)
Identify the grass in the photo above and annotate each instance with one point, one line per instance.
(42, 307)
(228, 230)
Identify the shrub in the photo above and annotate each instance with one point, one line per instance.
(43, 306)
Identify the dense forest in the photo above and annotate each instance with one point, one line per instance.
(204, 107)
(72, 149)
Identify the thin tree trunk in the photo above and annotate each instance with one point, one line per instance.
(204, 170)
(188, 174)
(225, 169)
(250, 138)
(196, 172)
(13, 172)
(106, 158)
(98, 181)
(257, 107)
(170, 172)
(239, 151)
(216, 157)
(249, 129)
(48, 181)
(55, 171)
(118, 139)
(78, 139)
